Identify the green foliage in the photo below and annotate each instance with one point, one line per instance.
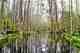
(7, 39)
(74, 39)
(7, 22)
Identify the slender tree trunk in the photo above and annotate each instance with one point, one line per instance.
(2, 7)
(52, 13)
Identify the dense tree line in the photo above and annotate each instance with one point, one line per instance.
(18, 22)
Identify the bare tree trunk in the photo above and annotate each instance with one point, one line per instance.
(52, 14)
(51, 30)
(27, 23)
